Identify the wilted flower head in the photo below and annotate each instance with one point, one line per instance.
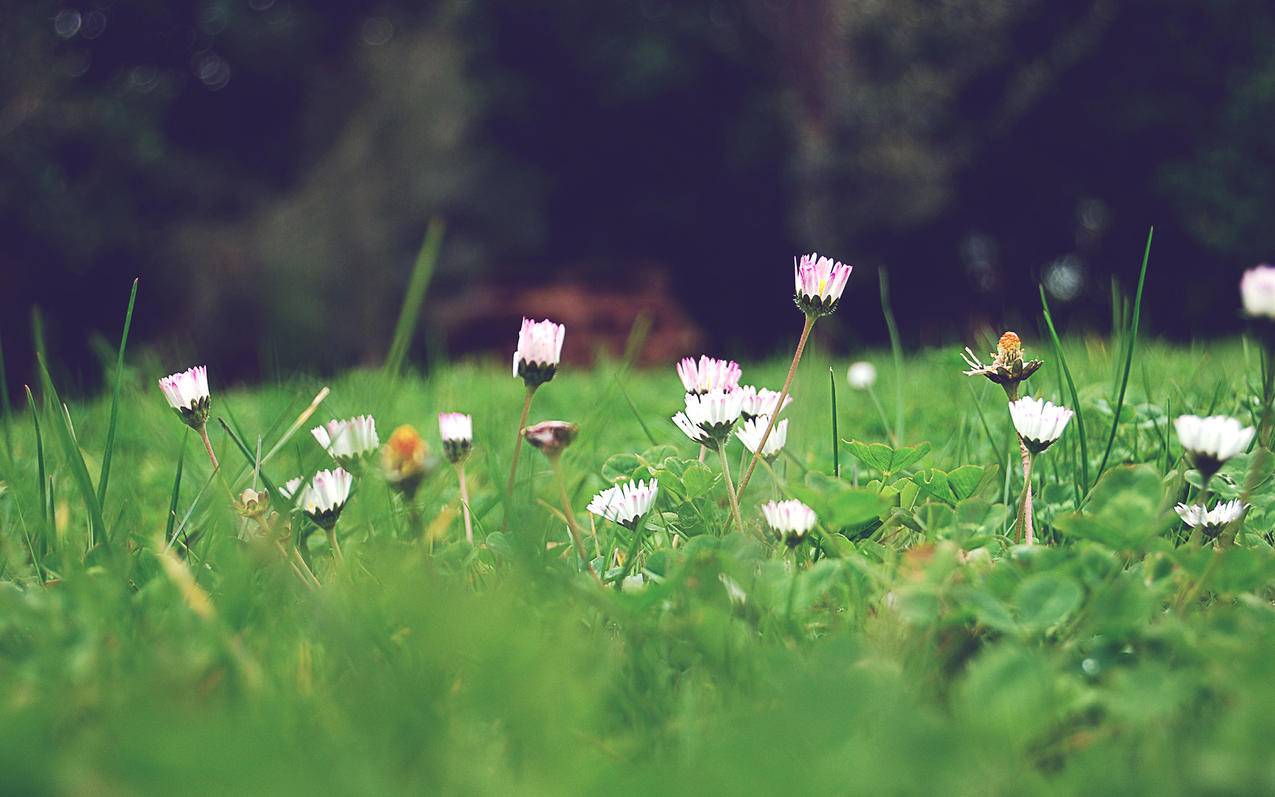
(187, 394)
(1257, 289)
(820, 281)
(750, 434)
(551, 437)
(791, 520)
(709, 418)
(1008, 368)
(1211, 441)
(323, 498)
(1039, 423)
(457, 432)
(404, 460)
(625, 503)
(761, 401)
(862, 375)
(539, 351)
(709, 373)
(1212, 521)
(349, 440)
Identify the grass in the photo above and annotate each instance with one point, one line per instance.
(913, 649)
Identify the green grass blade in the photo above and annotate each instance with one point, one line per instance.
(6, 407)
(1130, 343)
(177, 487)
(836, 449)
(410, 311)
(251, 458)
(41, 467)
(65, 432)
(896, 349)
(1071, 389)
(104, 478)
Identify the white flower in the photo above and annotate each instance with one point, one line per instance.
(186, 392)
(820, 281)
(625, 503)
(539, 350)
(349, 439)
(761, 401)
(1197, 515)
(1257, 289)
(711, 416)
(1038, 422)
(862, 375)
(323, 498)
(455, 427)
(791, 519)
(708, 374)
(1212, 441)
(750, 435)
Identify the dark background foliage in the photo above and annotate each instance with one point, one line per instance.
(268, 167)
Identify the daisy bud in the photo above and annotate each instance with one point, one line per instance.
(1210, 521)
(187, 394)
(252, 503)
(626, 503)
(760, 401)
(1257, 289)
(791, 520)
(323, 498)
(1008, 368)
(709, 373)
(405, 460)
(539, 350)
(1039, 423)
(862, 375)
(1211, 441)
(457, 432)
(348, 441)
(750, 435)
(711, 417)
(551, 437)
(820, 281)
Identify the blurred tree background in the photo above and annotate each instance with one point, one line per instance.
(269, 166)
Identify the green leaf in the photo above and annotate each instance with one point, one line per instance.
(64, 430)
(698, 481)
(882, 457)
(1046, 599)
(105, 474)
(623, 467)
(1124, 509)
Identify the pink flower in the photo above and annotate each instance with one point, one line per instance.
(708, 374)
(820, 281)
(539, 351)
(1257, 288)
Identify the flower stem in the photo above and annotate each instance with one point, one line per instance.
(730, 488)
(464, 502)
(203, 435)
(513, 466)
(783, 394)
(1026, 530)
(631, 558)
(334, 545)
(576, 539)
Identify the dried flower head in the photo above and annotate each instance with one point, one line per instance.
(551, 437)
(1008, 368)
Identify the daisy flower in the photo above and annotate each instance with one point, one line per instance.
(820, 281)
(1257, 289)
(323, 498)
(791, 520)
(1007, 368)
(349, 440)
(625, 503)
(187, 394)
(862, 375)
(457, 431)
(1211, 441)
(1039, 423)
(1212, 521)
(709, 373)
(709, 418)
(761, 401)
(750, 434)
(539, 351)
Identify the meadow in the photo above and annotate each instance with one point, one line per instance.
(153, 639)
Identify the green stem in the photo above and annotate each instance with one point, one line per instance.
(783, 395)
(203, 435)
(730, 488)
(513, 466)
(1026, 529)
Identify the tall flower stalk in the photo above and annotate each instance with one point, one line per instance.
(552, 438)
(535, 361)
(457, 433)
(709, 419)
(819, 283)
(187, 393)
(1039, 425)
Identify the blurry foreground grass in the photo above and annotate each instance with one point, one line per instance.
(922, 652)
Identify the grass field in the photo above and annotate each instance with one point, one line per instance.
(909, 647)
